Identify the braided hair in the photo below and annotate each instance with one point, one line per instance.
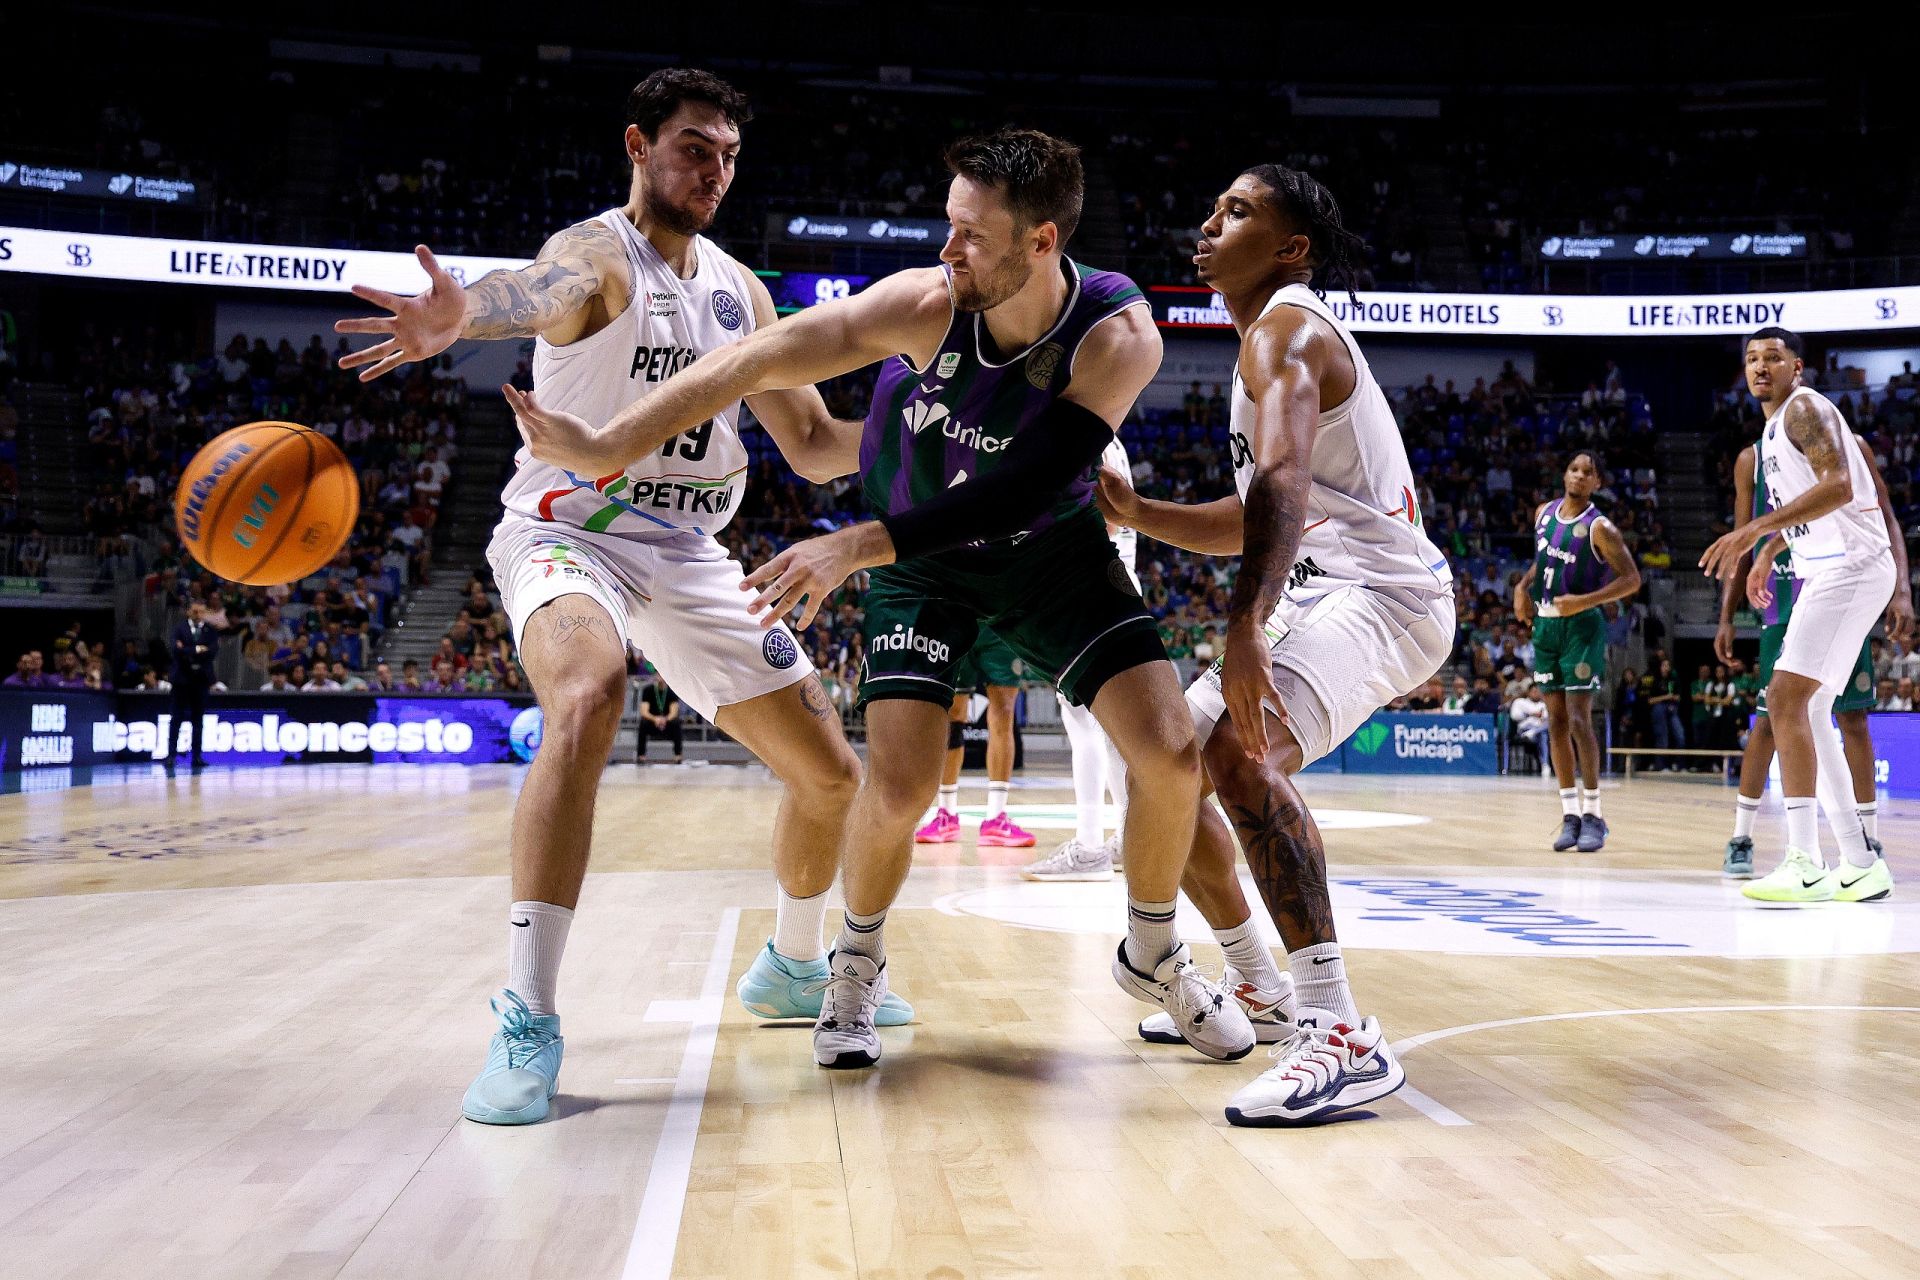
(1336, 253)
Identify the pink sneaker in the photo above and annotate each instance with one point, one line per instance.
(942, 828)
(1001, 831)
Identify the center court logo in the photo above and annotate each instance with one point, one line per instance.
(906, 640)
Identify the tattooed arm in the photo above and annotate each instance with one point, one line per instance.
(581, 275)
(1284, 360)
(1818, 431)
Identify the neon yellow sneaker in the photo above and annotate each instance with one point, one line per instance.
(1861, 884)
(1800, 877)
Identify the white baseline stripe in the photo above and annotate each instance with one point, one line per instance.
(656, 1232)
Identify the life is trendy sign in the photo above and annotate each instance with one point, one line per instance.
(1577, 315)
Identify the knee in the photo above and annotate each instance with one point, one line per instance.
(583, 706)
(898, 790)
(1172, 765)
(830, 777)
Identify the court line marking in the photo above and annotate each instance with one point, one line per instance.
(1440, 1114)
(656, 1230)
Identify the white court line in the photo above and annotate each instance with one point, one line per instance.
(656, 1232)
(1439, 1114)
(649, 1080)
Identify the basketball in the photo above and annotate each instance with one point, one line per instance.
(267, 503)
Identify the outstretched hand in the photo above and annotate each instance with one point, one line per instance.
(802, 577)
(564, 440)
(422, 326)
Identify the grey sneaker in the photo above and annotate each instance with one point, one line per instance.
(1738, 864)
(1072, 861)
(844, 1035)
(1593, 833)
(1569, 833)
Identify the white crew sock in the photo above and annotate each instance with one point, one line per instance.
(1569, 802)
(1089, 772)
(863, 936)
(1150, 937)
(1836, 782)
(1744, 812)
(534, 949)
(1870, 818)
(1590, 801)
(950, 798)
(1803, 826)
(1249, 955)
(997, 798)
(797, 926)
(1320, 981)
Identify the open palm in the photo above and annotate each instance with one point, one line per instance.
(421, 326)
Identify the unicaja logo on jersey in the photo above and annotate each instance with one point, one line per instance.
(726, 309)
(922, 415)
(907, 640)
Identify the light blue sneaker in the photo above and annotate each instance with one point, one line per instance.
(523, 1067)
(776, 987)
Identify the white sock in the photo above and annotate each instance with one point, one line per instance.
(797, 926)
(1320, 981)
(997, 798)
(863, 935)
(1870, 818)
(1590, 801)
(1150, 937)
(1744, 812)
(1249, 955)
(537, 938)
(1089, 772)
(1803, 826)
(1569, 802)
(950, 798)
(1836, 782)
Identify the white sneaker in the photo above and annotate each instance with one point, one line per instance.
(1072, 861)
(1326, 1066)
(1112, 846)
(1800, 877)
(1270, 1012)
(1200, 1010)
(844, 1035)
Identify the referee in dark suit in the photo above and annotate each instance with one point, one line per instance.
(195, 646)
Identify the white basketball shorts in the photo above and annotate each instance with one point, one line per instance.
(1340, 657)
(675, 599)
(1831, 618)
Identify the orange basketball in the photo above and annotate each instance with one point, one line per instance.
(267, 503)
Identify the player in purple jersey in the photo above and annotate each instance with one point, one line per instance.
(1007, 370)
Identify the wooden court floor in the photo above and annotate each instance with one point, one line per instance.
(241, 1009)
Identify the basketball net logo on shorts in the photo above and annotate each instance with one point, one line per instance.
(906, 640)
(559, 557)
(779, 650)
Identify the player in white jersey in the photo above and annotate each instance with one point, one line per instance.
(1098, 770)
(590, 567)
(1825, 510)
(1342, 605)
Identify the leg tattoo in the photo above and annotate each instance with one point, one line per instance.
(1289, 864)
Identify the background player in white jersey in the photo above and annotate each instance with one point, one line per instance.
(591, 565)
(1853, 703)
(1342, 605)
(1098, 769)
(1824, 509)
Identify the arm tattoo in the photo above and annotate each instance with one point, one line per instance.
(814, 698)
(1276, 518)
(1814, 436)
(1289, 864)
(564, 278)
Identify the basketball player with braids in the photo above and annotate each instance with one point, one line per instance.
(1341, 605)
(593, 563)
(1580, 562)
(1004, 373)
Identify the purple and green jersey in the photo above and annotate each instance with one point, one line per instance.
(1785, 585)
(932, 428)
(1565, 561)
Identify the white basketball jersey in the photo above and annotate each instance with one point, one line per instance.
(1854, 532)
(1363, 520)
(1125, 540)
(694, 481)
